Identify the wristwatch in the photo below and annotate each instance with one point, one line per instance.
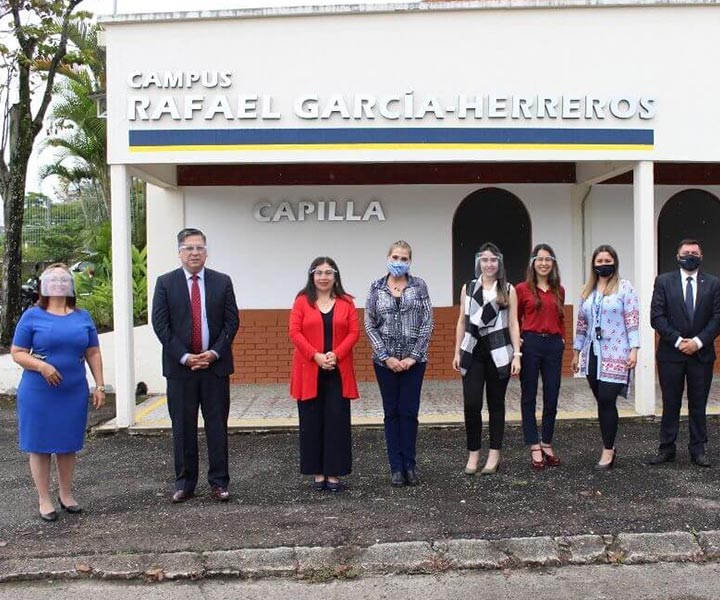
(100, 388)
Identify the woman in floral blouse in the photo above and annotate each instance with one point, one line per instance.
(607, 342)
(399, 321)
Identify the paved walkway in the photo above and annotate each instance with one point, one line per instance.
(270, 407)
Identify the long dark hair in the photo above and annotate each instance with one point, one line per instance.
(614, 281)
(553, 279)
(503, 297)
(311, 292)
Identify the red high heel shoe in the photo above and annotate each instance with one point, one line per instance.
(550, 459)
(537, 465)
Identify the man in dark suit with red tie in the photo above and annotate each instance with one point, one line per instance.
(195, 316)
(685, 312)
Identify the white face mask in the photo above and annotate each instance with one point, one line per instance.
(57, 283)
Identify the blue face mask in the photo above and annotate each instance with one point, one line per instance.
(398, 269)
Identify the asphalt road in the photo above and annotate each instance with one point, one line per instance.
(601, 582)
(125, 483)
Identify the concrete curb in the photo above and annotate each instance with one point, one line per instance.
(346, 562)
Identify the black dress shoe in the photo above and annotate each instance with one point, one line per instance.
(397, 479)
(661, 457)
(181, 496)
(606, 466)
(318, 486)
(49, 517)
(411, 477)
(73, 509)
(219, 493)
(701, 460)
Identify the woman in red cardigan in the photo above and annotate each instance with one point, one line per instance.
(324, 328)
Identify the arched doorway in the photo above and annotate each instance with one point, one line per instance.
(690, 214)
(490, 215)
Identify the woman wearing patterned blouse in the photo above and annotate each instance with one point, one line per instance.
(607, 342)
(399, 321)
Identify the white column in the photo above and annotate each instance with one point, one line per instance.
(645, 271)
(122, 297)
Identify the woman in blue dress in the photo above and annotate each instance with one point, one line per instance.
(52, 342)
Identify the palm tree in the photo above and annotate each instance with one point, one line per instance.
(79, 140)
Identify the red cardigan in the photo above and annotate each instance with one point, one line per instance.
(306, 333)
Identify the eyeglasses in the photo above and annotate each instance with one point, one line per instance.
(544, 259)
(326, 273)
(492, 260)
(188, 248)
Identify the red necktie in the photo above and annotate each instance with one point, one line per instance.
(195, 306)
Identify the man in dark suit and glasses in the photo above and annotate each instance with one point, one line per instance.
(195, 316)
(685, 311)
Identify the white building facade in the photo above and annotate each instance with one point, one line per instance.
(288, 134)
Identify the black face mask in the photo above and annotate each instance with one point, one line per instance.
(604, 270)
(690, 262)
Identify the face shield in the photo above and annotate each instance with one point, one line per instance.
(57, 283)
(481, 261)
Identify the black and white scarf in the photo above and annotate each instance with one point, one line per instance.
(485, 319)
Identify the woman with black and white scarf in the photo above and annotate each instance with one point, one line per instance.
(487, 352)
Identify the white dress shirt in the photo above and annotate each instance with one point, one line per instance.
(693, 282)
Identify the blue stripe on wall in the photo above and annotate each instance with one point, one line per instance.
(388, 135)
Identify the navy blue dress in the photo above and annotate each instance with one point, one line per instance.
(53, 419)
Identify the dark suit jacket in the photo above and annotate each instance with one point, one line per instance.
(172, 321)
(669, 316)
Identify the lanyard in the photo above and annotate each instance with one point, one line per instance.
(597, 314)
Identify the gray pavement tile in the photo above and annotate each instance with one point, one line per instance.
(530, 551)
(156, 567)
(251, 562)
(400, 557)
(583, 549)
(674, 546)
(473, 554)
(710, 543)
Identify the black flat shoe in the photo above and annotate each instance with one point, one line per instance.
(411, 477)
(606, 466)
(334, 486)
(318, 486)
(49, 517)
(397, 479)
(73, 509)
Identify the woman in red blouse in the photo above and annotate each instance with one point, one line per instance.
(541, 313)
(324, 328)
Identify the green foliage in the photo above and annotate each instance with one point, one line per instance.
(60, 243)
(94, 290)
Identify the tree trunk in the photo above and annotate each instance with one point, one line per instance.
(13, 192)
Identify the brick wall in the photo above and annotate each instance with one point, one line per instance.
(263, 350)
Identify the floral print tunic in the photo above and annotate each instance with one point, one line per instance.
(618, 318)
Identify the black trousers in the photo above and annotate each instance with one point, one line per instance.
(325, 438)
(211, 394)
(483, 374)
(673, 376)
(542, 356)
(606, 397)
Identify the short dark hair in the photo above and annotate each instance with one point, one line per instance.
(688, 242)
(187, 232)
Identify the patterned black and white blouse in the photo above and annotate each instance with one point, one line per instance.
(399, 329)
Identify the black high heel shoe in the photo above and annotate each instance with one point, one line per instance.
(606, 466)
(73, 509)
(49, 517)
